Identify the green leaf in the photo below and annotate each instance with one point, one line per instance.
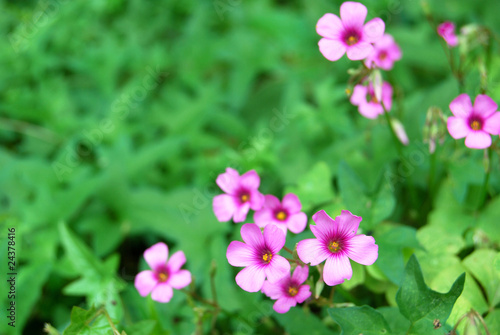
(144, 327)
(315, 187)
(360, 320)
(397, 322)
(299, 322)
(87, 322)
(422, 306)
(391, 244)
(479, 264)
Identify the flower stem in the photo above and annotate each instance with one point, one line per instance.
(484, 189)
(288, 250)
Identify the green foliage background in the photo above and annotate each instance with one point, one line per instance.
(117, 116)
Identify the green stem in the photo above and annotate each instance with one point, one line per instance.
(484, 189)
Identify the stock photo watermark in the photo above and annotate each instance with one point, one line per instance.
(248, 149)
(120, 109)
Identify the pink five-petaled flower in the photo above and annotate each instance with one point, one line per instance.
(336, 241)
(474, 123)
(289, 290)
(259, 256)
(368, 104)
(163, 275)
(386, 51)
(285, 214)
(447, 31)
(241, 195)
(348, 33)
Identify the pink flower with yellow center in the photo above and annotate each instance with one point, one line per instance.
(259, 256)
(164, 275)
(475, 123)
(368, 105)
(242, 194)
(285, 214)
(288, 291)
(336, 242)
(447, 31)
(386, 51)
(349, 33)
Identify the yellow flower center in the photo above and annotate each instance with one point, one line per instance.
(162, 277)
(475, 125)
(292, 291)
(352, 40)
(382, 55)
(281, 215)
(244, 197)
(267, 257)
(334, 246)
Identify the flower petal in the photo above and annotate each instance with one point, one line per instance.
(252, 236)
(274, 238)
(387, 95)
(256, 200)
(292, 203)
(296, 223)
(358, 96)
(156, 256)
(303, 294)
(347, 224)
(457, 127)
(277, 269)
(180, 279)
(263, 217)
(250, 180)
(359, 51)
(492, 124)
(240, 214)
(331, 49)
(300, 274)
(312, 251)
(228, 181)
(337, 268)
(162, 293)
(371, 110)
(271, 202)
(145, 281)
(283, 304)
(484, 105)
(362, 249)
(251, 278)
(353, 14)
(478, 140)
(176, 261)
(461, 106)
(322, 219)
(224, 206)
(330, 26)
(240, 254)
(272, 290)
(373, 30)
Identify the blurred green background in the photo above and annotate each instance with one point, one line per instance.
(117, 116)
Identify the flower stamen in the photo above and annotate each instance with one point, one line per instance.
(475, 125)
(162, 277)
(281, 215)
(267, 257)
(334, 246)
(351, 40)
(244, 197)
(292, 291)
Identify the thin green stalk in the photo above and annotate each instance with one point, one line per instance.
(484, 189)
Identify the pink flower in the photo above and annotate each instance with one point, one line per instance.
(241, 195)
(164, 275)
(259, 256)
(348, 33)
(368, 104)
(336, 241)
(385, 53)
(288, 291)
(447, 31)
(284, 214)
(474, 123)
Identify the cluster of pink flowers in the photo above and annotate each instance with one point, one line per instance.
(263, 268)
(362, 41)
